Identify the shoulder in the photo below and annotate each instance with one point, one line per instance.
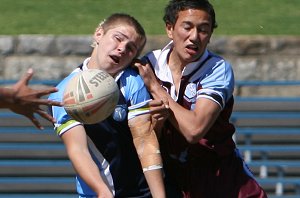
(132, 86)
(220, 66)
(130, 71)
(130, 76)
(153, 56)
(131, 81)
(218, 60)
(154, 53)
(218, 76)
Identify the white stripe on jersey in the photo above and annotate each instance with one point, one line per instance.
(104, 165)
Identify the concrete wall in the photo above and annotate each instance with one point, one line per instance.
(53, 57)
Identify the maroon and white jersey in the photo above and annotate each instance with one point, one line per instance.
(212, 167)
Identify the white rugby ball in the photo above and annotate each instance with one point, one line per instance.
(91, 96)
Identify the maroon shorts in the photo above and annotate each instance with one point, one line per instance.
(211, 176)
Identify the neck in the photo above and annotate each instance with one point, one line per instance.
(92, 64)
(175, 63)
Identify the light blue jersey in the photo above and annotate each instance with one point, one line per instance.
(110, 141)
(131, 85)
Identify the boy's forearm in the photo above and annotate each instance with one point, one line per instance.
(146, 142)
(156, 183)
(147, 147)
(78, 152)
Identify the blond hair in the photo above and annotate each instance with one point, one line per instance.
(122, 18)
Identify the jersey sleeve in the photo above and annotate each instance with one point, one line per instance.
(218, 83)
(135, 93)
(63, 121)
(133, 87)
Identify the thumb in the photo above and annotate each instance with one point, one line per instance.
(26, 78)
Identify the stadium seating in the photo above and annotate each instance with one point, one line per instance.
(268, 136)
(34, 163)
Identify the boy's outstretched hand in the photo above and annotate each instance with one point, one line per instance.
(23, 100)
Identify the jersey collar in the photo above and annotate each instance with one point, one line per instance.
(162, 69)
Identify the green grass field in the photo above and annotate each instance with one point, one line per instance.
(251, 17)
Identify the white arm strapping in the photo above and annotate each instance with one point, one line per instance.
(145, 141)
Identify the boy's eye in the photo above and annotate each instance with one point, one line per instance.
(118, 38)
(187, 27)
(205, 30)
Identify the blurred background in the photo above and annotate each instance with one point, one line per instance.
(255, 17)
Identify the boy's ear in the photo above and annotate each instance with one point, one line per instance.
(98, 34)
(169, 30)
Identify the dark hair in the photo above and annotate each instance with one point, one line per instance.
(118, 18)
(175, 6)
